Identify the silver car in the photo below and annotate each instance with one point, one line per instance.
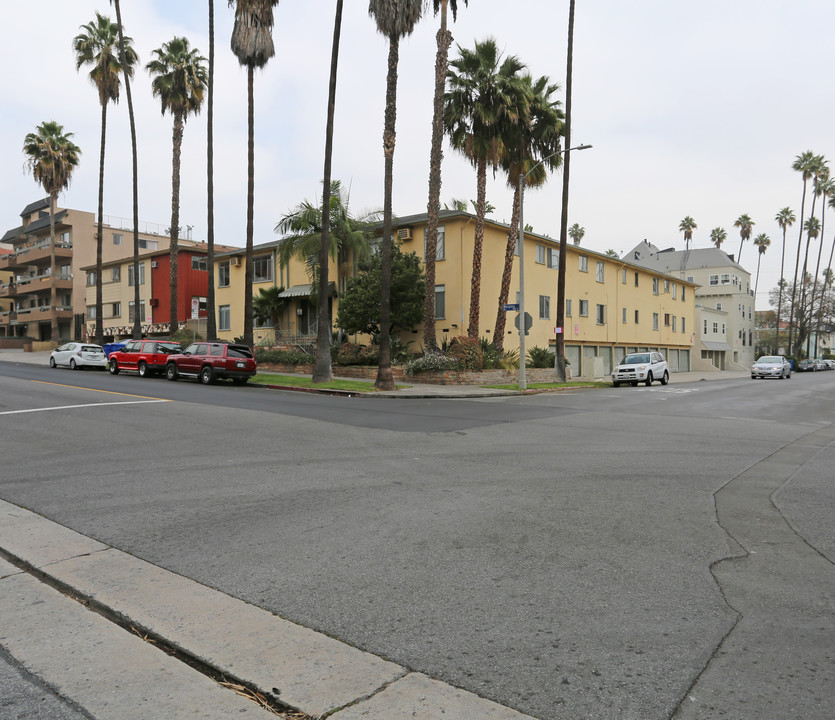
(771, 366)
(641, 367)
(78, 356)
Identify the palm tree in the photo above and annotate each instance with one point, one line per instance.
(394, 19)
(745, 224)
(687, 226)
(252, 43)
(211, 315)
(268, 305)
(805, 164)
(824, 187)
(718, 236)
(812, 227)
(531, 149)
(98, 46)
(785, 219)
(483, 100)
(444, 40)
(51, 157)
(456, 204)
(179, 81)
(576, 233)
(761, 242)
(123, 59)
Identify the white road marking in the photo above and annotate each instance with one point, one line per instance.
(72, 407)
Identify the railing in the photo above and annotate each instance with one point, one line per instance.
(147, 228)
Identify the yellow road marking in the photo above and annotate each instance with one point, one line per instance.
(109, 392)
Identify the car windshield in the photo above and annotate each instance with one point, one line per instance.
(91, 349)
(769, 360)
(169, 347)
(634, 359)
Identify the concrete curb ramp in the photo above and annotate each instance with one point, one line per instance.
(114, 674)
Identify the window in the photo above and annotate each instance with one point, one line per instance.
(682, 293)
(704, 332)
(718, 306)
(440, 243)
(666, 319)
(636, 317)
(553, 258)
(440, 302)
(117, 238)
(601, 314)
(599, 275)
(655, 321)
(540, 254)
(666, 286)
(623, 316)
(91, 279)
(749, 313)
(141, 274)
(91, 312)
(725, 279)
(716, 328)
(584, 308)
(682, 324)
(723, 328)
(655, 285)
(567, 307)
(544, 307)
(132, 312)
(262, 269)
(199, 263)
(714, 279)
(623, 277)
(115, 274)
(689, 278)
(675, 328)
(223, 274)
(224, 317)
(675, 290)
(64, 237)
(584, 263)
(116, 310)
(148, 244)
(636, 279)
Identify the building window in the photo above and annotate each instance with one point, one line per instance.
(723, 328)
(440, 302)
(145, 244)
(725, 279)
(584, 308)
(749, 313)
(567, 307)
(199, 263)
(131, 280)
(714, 280)
(718, 306)
(584, 263)
(705, 328)
(544, 307)
(117, 238)
(636, 317)
(223, 274)
(675, 329)
(91, 279)
(132, 312)
(636, 279)
(64, 237)
(440, 243)
(224, 317)
(682, 324)
(623, 277)
(116, 274)
(655, 321)
(675, 290)
(600, 271)
(91, 312)
(666, 319)
(553, 258)
(682, 293)
(716, 328)
(655, 286)
(601, 314)
(262, 269)
(666, 286)
(540, 254)
(116, 310)
(689, 278)
(623, 316)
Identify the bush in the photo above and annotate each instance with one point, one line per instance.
(185, 337)
(433, 361)
(353, 354)
(468, 351)
(282, 357)
(540, 358)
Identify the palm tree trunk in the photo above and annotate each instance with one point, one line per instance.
(509, 252)
(177, 143)
(99, 332)
(478, 242)
(211, 318)
(757, 281)
(792, 310)
(250, 204)
(436, 155)
(385, 380)
(780, 293)
(322, 371)
(817, 270)
(53, 295)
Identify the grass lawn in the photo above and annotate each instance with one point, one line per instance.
(306, 382)
(553, 386)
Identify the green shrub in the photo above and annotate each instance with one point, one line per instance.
(540, 358)
(282, 357)
(433, 361)
(509, 360)
(468, 351)
(185, 337)
(353, 354)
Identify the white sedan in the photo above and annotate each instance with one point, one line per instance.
(78, 356)
(642, 367)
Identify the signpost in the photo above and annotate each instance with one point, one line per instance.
(512, 306)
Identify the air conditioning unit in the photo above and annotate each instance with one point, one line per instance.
(235, 261)
(154, 263)
(404, 233)
(154, 302)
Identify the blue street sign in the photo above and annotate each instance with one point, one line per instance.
(512, 306)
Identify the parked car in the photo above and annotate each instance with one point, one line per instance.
(642, 367)
(146, 357)
(830, 364)
(78, 356)
(210, 361)
(807, 365)
(822, 365)
(771, 366)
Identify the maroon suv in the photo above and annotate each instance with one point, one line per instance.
(147, 357)
(209, 361)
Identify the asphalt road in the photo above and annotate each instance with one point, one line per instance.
(625, 553)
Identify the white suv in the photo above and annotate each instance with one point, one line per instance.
(641, 367)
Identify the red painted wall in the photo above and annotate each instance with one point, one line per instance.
(190, 283)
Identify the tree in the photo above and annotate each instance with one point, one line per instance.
(812, 228)
(395, 19)
(211, 315)
(785, 219)
(611, 252)
(745, 224)
(98, 47)
(761, 242)
(433, 207)
(531, 148)
(51, 157)
(484, 99)
(824, 187)
(806, 315)
(456, 204)
(718, 236)
(805, 164)
(576, 233)
(179, 81)
(268, 305)
(252, 43)
(687, 226)
(359, 307)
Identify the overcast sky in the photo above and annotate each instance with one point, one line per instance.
(693, 108)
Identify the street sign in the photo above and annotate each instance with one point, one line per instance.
(195, 308)
(557, 331)
(528, 322)
(512, 306)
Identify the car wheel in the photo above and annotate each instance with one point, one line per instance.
(207, 375)
(634, 383)
(143, 370)
(753, 377)
(649, 379)
(113, 367)
(789, 376)
(73, 366)
(52, 363)
(666, 378)
(171, 371)
(615, 383)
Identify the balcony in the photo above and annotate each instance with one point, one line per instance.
(39, 252)
(7, 291)
(41, 283)
(40, 314)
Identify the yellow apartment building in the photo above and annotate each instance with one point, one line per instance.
(612, 306)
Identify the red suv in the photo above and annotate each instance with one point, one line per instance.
(209, 361)
(146, 357)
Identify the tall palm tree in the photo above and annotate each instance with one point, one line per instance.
(745, 225)
(444, 40)
(576, 233)
(805, 164)
(51, 157)
(812, 228)
(687, 226)
(483, 101)
(785, 219)
(531, 149)
(211, 315)
(718, 236)
(824, 187)
(252, 43)
(98, 46)
(395, 19)
(761, 242)
(123, 59)
(179, 81)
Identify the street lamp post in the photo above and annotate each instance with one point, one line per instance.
(523, 385)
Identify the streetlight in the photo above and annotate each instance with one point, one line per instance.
(523, 385)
